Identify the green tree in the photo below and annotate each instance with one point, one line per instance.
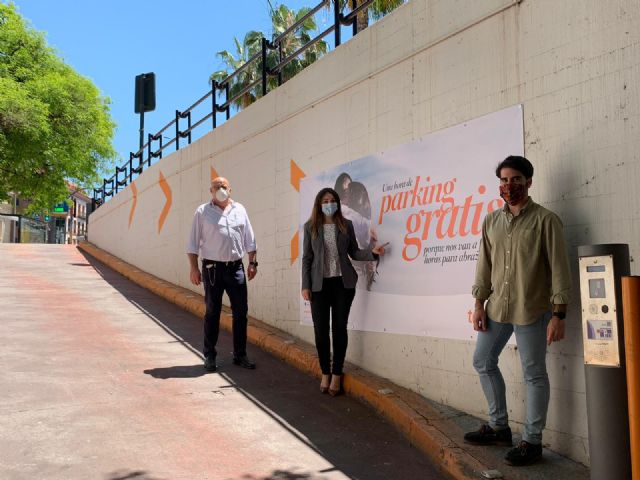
(54, 124)
(233, 61)
(281, 18)
(377, 10)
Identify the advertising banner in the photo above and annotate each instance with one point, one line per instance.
(426, 199)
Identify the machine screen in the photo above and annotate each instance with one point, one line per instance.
(595, 268)
(596, 288)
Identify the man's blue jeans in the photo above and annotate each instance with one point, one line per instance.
(532, 346)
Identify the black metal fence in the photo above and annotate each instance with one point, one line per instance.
(183, 124)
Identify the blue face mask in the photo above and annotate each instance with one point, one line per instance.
(329, 209)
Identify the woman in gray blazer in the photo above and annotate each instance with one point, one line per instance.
(329, 281)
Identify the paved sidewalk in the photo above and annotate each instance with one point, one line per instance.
(102, 379)
(268, 425)
(435, 429)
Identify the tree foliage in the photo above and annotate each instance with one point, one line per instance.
(246, 49)
(375, 11)
(54, 124)
(281, 19)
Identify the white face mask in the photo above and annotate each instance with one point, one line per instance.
(222, 194)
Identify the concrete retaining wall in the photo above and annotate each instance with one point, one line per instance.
(574, 65)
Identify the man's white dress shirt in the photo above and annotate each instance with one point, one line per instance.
(219, 235)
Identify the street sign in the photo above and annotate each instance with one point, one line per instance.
(61, 208)
(145, 93)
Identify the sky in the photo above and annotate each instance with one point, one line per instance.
(111, 42)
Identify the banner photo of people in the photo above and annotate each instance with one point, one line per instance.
(426, 201)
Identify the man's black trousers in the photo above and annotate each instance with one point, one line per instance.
(217, 278)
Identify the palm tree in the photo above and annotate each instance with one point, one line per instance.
(281, 18)
(244, 51)
(377, 10)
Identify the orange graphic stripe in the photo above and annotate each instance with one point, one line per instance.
(164, 185)
(134, 192)
(295, 247)
(214, 173)
(296, 175)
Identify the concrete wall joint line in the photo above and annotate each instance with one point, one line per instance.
(447, 36)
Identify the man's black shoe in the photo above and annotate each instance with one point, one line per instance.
(244, 362)
(524, 454)
(488, 436)
(210, 364)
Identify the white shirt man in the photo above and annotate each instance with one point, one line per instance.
(221, 234)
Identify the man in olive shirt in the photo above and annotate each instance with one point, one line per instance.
(523, 276)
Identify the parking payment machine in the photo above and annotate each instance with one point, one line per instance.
(601, 268)
(599, 311)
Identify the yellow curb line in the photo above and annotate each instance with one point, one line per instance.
(405, 409)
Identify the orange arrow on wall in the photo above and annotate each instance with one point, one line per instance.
(134, 192)
(296, 175)
(214, 173)
(164, 185)
(295, 247)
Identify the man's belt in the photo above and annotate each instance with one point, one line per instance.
(230, 263)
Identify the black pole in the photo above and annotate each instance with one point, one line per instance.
(160, 154)
(336, 17)
(141, 129)
(189, 126)
(117, 171)
(149, 151)
(214, 103)
(279, 62)
(264, 66)
(226, 91)
(124, 170)
(605, 386)
(130, 167)
(177, 130)
(355, 19)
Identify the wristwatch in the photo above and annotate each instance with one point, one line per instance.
(560, 315)
(255, 264)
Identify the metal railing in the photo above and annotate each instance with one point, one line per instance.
(156, 144)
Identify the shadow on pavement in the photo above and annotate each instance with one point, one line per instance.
(349, 435)
(279, 475)
(179, 371)
(134, 475)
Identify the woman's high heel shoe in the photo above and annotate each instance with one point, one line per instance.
(335, 390)
(324, 383)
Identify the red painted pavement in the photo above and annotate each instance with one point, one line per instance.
(96, 385)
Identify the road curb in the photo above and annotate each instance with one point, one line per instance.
(424, 427)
